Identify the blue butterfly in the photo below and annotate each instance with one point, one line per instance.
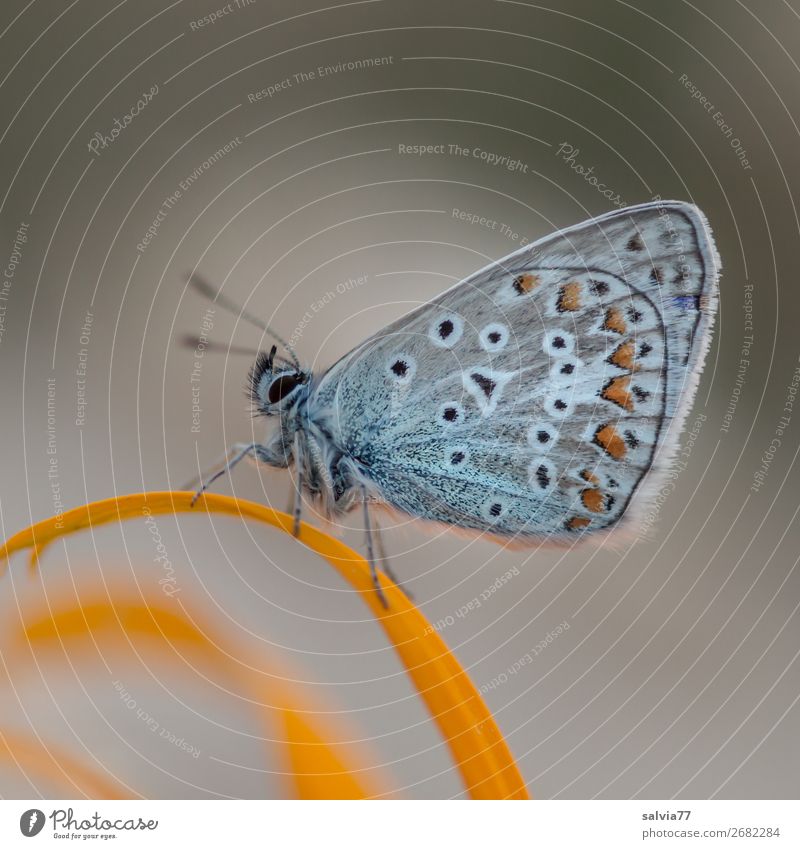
(537, 399)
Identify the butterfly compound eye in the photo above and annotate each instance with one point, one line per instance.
(282, 386)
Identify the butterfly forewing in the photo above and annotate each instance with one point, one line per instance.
(532, 399)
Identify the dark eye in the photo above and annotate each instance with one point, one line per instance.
(282, 386)
(262, 366)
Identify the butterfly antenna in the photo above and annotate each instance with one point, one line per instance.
(208, 291)
(194, 342)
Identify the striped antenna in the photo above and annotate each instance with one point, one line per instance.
(214, 295)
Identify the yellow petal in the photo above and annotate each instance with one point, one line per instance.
(479, 749)
(321, 764)
(317, 769)
(37, 759)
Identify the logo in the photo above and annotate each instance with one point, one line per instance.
(31, 822)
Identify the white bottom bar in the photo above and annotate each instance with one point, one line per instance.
(385, 825)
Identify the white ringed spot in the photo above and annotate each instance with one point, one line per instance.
(542, 474)
(401, 368)
(495, 508)
(560, 405)
(494, 337)
(542, 436)
(564, 370)
(445, 330)
(558, 343)
(456, 456)
(450, 413)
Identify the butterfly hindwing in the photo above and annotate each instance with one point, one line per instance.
(532, 399)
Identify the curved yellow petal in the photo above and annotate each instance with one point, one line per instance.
(318, 771)
(479, 749)
(43, 760)
(321, 764)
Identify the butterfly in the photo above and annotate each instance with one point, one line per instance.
(539, 399)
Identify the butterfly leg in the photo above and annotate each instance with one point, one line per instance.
(297, 508)
(237, 453)
(370, 550)
(385, 565)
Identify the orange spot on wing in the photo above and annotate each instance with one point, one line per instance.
(614, 321)
(624, 355)
(593, 500)
(616, 391)
(569, 298)
(577, 522)
(525, 283)
(589, 477)
(611, 442)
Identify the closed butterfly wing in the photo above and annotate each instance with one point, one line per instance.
(534, 398)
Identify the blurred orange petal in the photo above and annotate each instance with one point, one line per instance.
(34, 758)
(314, 764)
(479, 749)
(319, 760)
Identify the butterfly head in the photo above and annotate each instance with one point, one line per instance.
(275, 387)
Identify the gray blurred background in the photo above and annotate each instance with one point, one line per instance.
(677, 675)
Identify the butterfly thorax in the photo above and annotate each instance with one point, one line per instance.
(308, 439)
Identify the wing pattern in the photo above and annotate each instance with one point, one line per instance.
(534, 398)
